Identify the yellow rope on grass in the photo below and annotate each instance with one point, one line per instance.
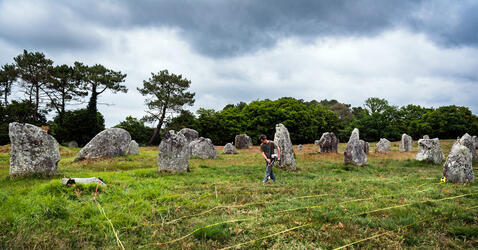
(118, 241)
(367, 212)
(399, 228)
(211, 225)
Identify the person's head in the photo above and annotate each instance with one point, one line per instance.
(263, 138)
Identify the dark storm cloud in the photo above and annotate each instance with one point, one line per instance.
(230, 28)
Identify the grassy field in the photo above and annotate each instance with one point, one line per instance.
(394, 202)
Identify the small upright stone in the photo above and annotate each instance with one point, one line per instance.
(475, 141)
(355, 151)
(108, 143)
(426, 137)
(316, 142)
(429, 150)
(133, 148)
(328, 143)
(299, 148)
(383, 146)
(229, 149)
(406, 143)
(242, 141)
(73, 144)
(189, 134)
(32, 150)
(282, 140)
(203, 148)
(467, 141)
(458, 166)
(173, 153)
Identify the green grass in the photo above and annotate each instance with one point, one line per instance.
(222, 203)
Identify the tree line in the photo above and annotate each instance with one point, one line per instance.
(56, 88)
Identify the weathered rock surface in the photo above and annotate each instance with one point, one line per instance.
(365, 146)
(282, 140)
(242, 141)
(190, 134)
(173, 153)
(71, 181)
(383, 146)
(406, 143)
(475, 141)
(426, 137)
(467, 141)
(108, 143)
(355, 151)
(203, 148)
(328, 143)
(229, 149)
(73, 144)
(429, 150)
(32, 150)
(133, 148)
(458, 166)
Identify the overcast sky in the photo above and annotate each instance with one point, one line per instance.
(419, 52)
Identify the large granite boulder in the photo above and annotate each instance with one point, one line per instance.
(229, 149)
(458, 166)
(108, 143)
(406, 143)
(355, 151)
(383, 146)
(328, 143)
(133, 148)
(467, 141)
(32, 150)
(282, 140)
(429, 150)
(365, 146)
(173, 153)
(190, 134)
(242, 141)
(73, 144)
(203, 148)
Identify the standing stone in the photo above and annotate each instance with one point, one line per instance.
(203, 148)
(426, 137)
(190, 134)
(355, 151)
(32, 150)
(365, 146)
(316, 142)
(108, 143)
(299, 148)
(133, 148)
(173, 153)
(429, 150)
(383, 146)
(467, 141)
(475, 141)
(282, 140)
(406, 143)
(458, 166)
(229, 149)
(328, 143)
(242, 141)
(73, 144)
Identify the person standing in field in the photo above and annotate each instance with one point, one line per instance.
(267, 151)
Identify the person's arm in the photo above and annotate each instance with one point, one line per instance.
(278, 153)
(265, 157)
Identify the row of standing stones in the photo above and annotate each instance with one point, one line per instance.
(176, 149)
(34, 151)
